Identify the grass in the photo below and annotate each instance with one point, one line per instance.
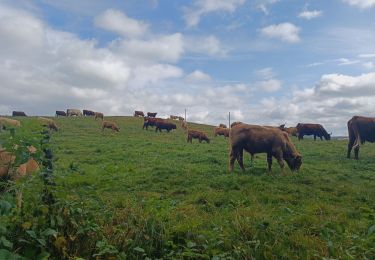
(157, 195)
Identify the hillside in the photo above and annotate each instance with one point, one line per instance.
(153, 194)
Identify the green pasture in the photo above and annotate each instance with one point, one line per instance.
(155, 195)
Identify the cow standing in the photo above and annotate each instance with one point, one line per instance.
(73, 112)
(18, 113)
(138, 113)
(164, 125)
(150, 121)
(312, 129)
(259, 139)
(99, 115)
(88, 113)
(149, 114)
(223, 126)
(361, 129)
(221, 131)
(60, 113)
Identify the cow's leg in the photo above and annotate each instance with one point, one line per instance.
(232, 158)
(350, 146)
(321, 138)
(269, 161)
(251, 160)
(356, 152)
(314, 137)
(200, 140)
(281, 163)
(240, 159)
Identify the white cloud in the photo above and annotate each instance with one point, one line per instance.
(192, 14)
(345, 61)
(209, 45)
(198, 76)
(366, 56)
(265, 73)
(263, 5)
(118, 22)
(310, 14)
(270, 85)
(363, 4)
(287, 32)
(166, 48)
(369, 65)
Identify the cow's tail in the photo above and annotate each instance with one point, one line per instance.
(357, 135)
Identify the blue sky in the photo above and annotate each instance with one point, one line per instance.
(266, 61)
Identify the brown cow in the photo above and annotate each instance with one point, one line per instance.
(258, 139)
(235, 123)
(8, 121)
(201, 136)
(164, 125)
(150, 121)
(180, 118)
(221, 131)
(361, 129)
(223, 126)
(99, 115)
(312, 129)
(291, 131)
(49, 123)
(173, 117)
(149, 114)
(110, 125)
(138, 113)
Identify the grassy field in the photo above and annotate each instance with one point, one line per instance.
(154, 195)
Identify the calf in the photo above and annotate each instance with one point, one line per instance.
(201, 136)
(110, 125)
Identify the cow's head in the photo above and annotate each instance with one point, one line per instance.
(327, 136)
(294, 162)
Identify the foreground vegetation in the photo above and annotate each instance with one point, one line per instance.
(138, 194)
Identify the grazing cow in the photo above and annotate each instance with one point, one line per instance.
(110, 125)
(149, 114)
(201, 136)
(164, 125)
(180, 118)
(221, 131)
(7, 121)
(18, 113)
(150, 121)
(60, 113)
(99, 115)
(361, 129)
(73, 112)
(259, 139)
(49, 123)
(88, 113)
(223, 126)
(138, 113)
(312, 129)
(173, 117)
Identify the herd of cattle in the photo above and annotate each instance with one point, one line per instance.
(274, 141)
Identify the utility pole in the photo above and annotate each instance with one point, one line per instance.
(185, 114)
(229, 120)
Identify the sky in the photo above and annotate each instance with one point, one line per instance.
(268, 62)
